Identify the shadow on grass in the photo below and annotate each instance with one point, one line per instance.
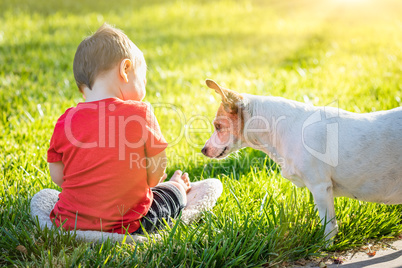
(385, 261)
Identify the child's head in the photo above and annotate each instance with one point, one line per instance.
(105, 50)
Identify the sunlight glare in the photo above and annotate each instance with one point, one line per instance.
(352, 1)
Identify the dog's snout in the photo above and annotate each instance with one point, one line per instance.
(204, 151)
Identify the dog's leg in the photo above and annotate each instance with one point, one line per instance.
(324, 200)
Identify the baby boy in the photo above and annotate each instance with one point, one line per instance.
(107, 153)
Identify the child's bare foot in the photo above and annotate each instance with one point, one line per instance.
(185, 178)
(182, 179)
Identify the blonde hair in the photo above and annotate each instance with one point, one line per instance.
(101, 52)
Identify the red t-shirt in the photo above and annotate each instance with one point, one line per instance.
(103, 146)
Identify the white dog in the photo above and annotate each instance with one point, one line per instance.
(330, 151)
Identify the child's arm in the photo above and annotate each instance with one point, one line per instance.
(156, 167)
(56, 172)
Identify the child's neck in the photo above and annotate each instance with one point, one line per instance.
(103, 88)
(97, 97)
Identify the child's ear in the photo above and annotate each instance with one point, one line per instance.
(231, 99)
(125, 66)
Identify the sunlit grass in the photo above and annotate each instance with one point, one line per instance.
(311, 51)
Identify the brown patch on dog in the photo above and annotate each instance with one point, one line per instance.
(228, 123)
(230, 98)
(229, 115)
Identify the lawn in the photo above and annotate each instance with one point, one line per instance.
(331, 52)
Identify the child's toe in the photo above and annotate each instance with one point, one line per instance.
(176, 176)
(186, 179)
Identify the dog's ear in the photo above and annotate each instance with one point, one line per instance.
(218, 89)
(231, 100)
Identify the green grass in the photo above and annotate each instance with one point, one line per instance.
(311, 51)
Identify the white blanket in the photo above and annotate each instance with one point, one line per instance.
(202, 197)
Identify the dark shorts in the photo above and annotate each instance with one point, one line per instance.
(167, 204)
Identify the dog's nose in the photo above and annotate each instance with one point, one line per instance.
(204, 150)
